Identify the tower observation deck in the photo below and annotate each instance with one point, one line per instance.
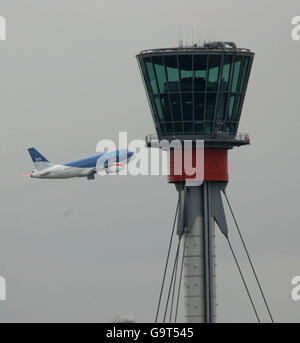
(197, 93)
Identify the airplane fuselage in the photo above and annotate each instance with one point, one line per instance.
(60, 171)
(86, 167)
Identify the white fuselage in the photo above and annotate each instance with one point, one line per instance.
(60, 171)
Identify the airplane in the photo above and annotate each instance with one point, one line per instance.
(110, 162)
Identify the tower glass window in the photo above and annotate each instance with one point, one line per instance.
(200, 72)
(160, 73)
(236, 72)
(151, 74)
(172, 73)
(196, 91)
(186, 73)
(227, 65)
(176, 106)
(199, 106)
(213, 72)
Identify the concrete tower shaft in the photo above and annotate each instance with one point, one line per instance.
(195, 310)
(199, 208)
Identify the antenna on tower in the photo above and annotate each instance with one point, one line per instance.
(192, 35)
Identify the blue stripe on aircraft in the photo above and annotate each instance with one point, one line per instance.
(89, 162)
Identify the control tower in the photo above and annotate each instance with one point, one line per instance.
(196, 93)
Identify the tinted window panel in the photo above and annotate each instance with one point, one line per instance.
(226, 72)
(145, 78)
(163, 128)
(188, 127)
(170, 128)
(244, 73)
(187, 106)
(208, 127)
(178, 127)
(213, 72)
(176, 107)
(198, 127)
(149, 67)
(210, 106)
(236, 107)
(200, 72)
(186, 73)
(166, 107)
(199, 106)
(154, 109)
(231, 103)
(160, 73)
(172, 73)
(221, 105)
(159, 108)
(236, 73)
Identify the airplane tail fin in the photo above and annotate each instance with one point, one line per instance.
(40, 162)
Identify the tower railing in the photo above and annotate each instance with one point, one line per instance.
(239, 137)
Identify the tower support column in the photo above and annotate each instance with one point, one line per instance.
(199, 208)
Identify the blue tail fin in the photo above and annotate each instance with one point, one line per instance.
(40, 162)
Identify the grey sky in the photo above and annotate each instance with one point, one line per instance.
(69, 78)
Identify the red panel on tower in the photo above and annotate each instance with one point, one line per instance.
(214, 168)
